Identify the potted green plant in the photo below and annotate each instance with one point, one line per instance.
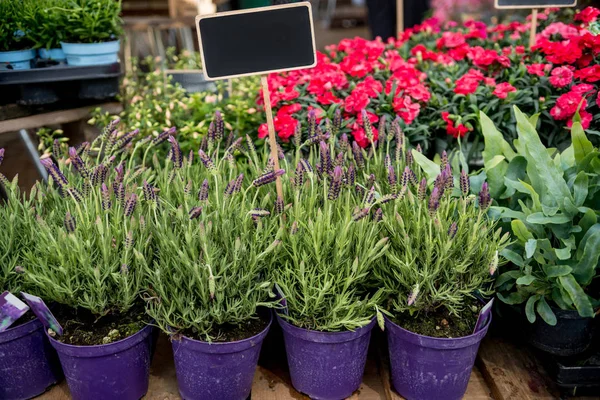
(441, 261)
(91, 243)
(16, 49)
(48, 30)
(92, 30)
(23, 343)
(209, 280)
(550, 201)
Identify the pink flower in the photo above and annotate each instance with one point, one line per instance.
(538, 69)
(586, 118)
(503, 89)
(561, 77)
(566, 105)
(587, 15)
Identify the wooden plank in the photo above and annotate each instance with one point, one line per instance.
(55, 117)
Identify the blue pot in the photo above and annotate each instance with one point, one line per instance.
(91, 53)
(52, 54)
(20, 59)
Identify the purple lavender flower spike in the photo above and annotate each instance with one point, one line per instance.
(358, 155)
(176, 155)
(409, 158)
(306, 165)
(211, 132)
(120, 193)
(279, 205)
(54, 172)
(360, 214)
(405, 177)
(129, 241)
(299, 175)
(188, 188)
(130, 205)
(70, 224)
(78, 163)
(452, 230)
(449, 184)
(351, 177)
(344, 143)
(378, 216)
(422, 191)
(444, 160)
(387, 163)
(465, 185)
(371, 180)
(195, 212)
(229, 188)
(339, 160)
(208, 163)
(99, 175)
(294, 228)
(149, 192)
(370, 196)
(1, 156)
(325, 157)
(219, 125)
(485, 199)
(75, 194)
(106, 203)
(259, 213)
(434, 200)
(392, 179)
(337, 121)
(203, 192)
(312, 123)
(336, 183)
(267, 178)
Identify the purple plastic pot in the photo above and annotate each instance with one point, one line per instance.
(326, 365)
(28, 364)
(424, 367)
(217, 371)
(118, 370)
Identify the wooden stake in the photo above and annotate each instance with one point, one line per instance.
(399, 17)
(533, 29)
(272, 139)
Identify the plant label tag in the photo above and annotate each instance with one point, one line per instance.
(11, 309)
(257, 41)
(514, 4)
(484, 316)
(41, 310)
(281, 297)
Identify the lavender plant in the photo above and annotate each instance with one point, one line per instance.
(444, 251)
(214, 239)
(91, 233)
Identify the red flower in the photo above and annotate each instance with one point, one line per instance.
(469, 82)
(589, 74)
(328, 98)
(370, 86)
(587, 15)
(586, 118)
(289, 94)
(561, 77)
(356, 102)
(451, 40)
(598, 99)
(503, 89)
(566, 105)
(419, 92)
(291, 109)
(456, 131)
(538, 69)
(406, 109)
(361, 137)
(285, 126)
(582, 89)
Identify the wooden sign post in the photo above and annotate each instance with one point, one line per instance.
(257, 42)
(534, 5)
(399, 17)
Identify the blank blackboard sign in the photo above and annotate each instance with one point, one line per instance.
(257, 41)
(534, 3)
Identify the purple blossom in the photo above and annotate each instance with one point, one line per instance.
(378, 216)
(267, 178)
(106, 203)
(56, 151)
(381, 129)
(54, 172)
(371, 180)
(337, 121)
(149, 192)
(120, 193)
(306, 165)
(75, 194)
(1, 156)
(78, 163)
(351, 176)
(130, 205)
(344, 143)
(387, 198)
(444, 160)
(465, 185)
(126, 139)
(387, 162)
(434, 200)
(358, 155)
(219, 125)
(339, 160)
(195, 212)
(422, 190)
(299, 175)
(325, 158)
(392, 179)
(294, 228)
(203, 192)
(405, 177)
(164, 135)
(409, 158)
(124, 269)
(312, 123)
(99, 175)
(208, 163)
(336, 183)
(175, 154)
(129, 241)
(187, 189)
(360, 214)
(70, 224)
(211, 132)
(412, 297)
(279, 205)
(452, 230)
(449, 184)
(370, 196)
(485, 199)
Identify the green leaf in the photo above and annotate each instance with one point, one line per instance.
(507, 277)
(549, 210)
(580, 188)
(585, 269)
(554, 271)
(530, 248)
(512, 298)
(525, 280)
(540, 218)
(546, 312)
(581, 145)
(512, 257)
(563, 254)
(577, 295)
(431, 169)
(529, 308)
(520, 230)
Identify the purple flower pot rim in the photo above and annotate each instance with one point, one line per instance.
(226, 347)
(101, 350)
(434, 342)
(322, 336)
(18, 332)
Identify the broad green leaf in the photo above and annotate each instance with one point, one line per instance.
(504, 212)
(530, 248)
(512, 257)
(580, 188)
(495, 161)
(546, 312)
(581, 145)
(520, 230)
(587, 221)
(529, 308)
(516, 171)
(538, 158)
(585, 269)
(512, 297)
(525, 280)
(567, 158)
(577, 295)
(507, 277)
(431, 169)
(540, 218)
(494, 140)
(554, 271)
(559, 297)
(563, 254)
(549, 210)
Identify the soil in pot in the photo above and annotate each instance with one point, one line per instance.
(440, 323)
(231, 333)
(82, 328)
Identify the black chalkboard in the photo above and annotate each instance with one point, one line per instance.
(256, 41)
(534, 3)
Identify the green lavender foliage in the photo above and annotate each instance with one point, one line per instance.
(91, 236)
(89, 21)
(46, 22)
(15, 24)
(210, 271)
(550, 201)
(438, 258)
